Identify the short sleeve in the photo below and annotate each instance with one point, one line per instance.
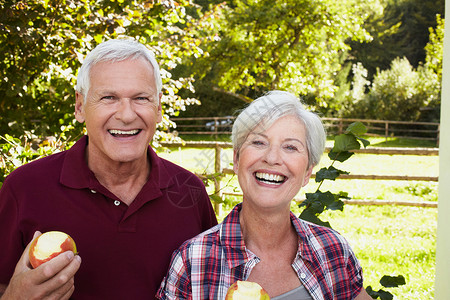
(176, 284)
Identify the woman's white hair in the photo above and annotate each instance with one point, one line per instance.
(274, 105)
(115, 51)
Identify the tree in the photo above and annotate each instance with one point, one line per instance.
(292, 45)
(399, 30)
(42, 44)
(401, 92)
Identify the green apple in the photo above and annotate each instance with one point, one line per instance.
(246, 290)
(49, 245)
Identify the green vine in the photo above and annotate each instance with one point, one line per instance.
(317, 202)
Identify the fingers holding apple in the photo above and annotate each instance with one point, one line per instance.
(49, 245)
(246, 290)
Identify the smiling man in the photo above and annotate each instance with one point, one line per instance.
(126, 208)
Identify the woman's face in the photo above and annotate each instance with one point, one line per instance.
(272, 165)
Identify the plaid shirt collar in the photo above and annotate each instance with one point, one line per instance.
(234, 246)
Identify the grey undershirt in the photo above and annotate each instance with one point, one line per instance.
(299, 293)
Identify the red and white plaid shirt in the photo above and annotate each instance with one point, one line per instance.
(206, 266)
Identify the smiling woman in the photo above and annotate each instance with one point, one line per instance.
(276, 144)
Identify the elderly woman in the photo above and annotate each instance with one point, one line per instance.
(276, 145)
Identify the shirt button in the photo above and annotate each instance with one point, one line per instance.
(93, 191)
(117, 203)
(302, 275)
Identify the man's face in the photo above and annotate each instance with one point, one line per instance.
(121, 111)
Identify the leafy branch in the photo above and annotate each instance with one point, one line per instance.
(318, 202)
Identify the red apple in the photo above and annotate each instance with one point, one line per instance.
(246, 290)
(49, 245)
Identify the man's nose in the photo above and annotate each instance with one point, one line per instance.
(125, 111)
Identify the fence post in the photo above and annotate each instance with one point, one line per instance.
(216, 127)
(386, 131)
(217, 185)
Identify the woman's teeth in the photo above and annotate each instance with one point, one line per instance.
(270, 178)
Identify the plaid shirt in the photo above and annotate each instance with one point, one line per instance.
(205, 266)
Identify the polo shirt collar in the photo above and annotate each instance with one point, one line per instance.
(76, 174)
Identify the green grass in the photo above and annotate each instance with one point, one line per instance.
(388, 240)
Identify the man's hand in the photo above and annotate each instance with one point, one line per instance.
(51, 280)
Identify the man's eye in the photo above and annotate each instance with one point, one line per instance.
(142, 100)
(108, 98)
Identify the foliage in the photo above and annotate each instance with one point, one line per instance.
(395, 93)
(387, 282)
(15, 152)
(399, 30)
(42, 44)
(257, 46)
(400, 92)
(435, 48)
(319, 201)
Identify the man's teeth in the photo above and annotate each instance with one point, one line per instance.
(270, 178)
(123, 132)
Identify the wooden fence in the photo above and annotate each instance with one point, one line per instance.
(380, 128)
(219, 146)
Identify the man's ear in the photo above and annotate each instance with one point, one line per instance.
(79, 107)
(307, 176)
(159, 117)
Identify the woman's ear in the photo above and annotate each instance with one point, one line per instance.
(235, 161)
(307, 176)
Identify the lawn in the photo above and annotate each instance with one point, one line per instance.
(388, 240)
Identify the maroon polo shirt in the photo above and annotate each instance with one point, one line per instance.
(125, 250)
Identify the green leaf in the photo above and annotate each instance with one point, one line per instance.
(392, 281)
(364, 142)
(380, 293)
(340, 156)
(311, 217)
(336, 205)
(330, 173)
(345, 142)
(356, 128)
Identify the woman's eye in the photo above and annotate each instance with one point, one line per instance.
(257, 143)
(291, 147)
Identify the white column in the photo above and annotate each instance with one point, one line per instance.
(442, 283)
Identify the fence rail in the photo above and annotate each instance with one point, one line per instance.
(218, 146)
(380, 128)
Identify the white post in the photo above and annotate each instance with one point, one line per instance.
(442, 286)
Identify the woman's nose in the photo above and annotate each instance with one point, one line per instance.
(273, 155)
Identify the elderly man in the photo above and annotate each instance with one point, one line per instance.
(126, 208)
